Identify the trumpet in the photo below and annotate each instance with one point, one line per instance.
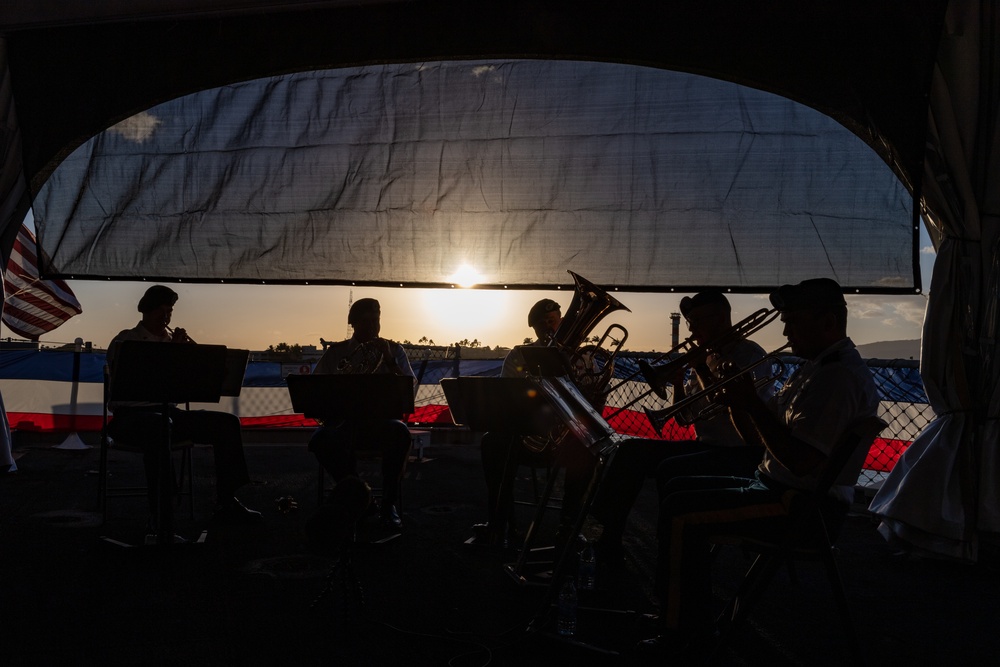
(659, 418)
(179, 335)
(688, 353)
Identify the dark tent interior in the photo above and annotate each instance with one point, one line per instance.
(914, 83)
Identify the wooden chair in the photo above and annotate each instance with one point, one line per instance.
(807, 538)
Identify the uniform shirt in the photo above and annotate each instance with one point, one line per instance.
(718, 429)
(818, 403)
(138, 332)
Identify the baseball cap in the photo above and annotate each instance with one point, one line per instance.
(706, 298)
(812, 294)
(539, 310)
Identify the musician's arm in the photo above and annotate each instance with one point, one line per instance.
(759, 424)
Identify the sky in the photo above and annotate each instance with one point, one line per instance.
(257, 316)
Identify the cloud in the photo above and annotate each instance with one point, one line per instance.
(890, 312)
(866, 307)
(928, 250)
(912, 309)
(138, 128)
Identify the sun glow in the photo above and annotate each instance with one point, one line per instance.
(466, 276)
(450, 315)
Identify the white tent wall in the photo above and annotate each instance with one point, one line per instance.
(944, 493)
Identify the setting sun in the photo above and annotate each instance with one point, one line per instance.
(466, 276)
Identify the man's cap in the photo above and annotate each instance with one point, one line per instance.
(156, 296)
(812, 294)
(540, 309)
(706, 298)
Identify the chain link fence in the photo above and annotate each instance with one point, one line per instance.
(903, 403)
(264, 401)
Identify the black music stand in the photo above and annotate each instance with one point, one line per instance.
(236, 370)
(508, 404)
(533, 406)
(544, 361)
(166, 374)
(333, 397)
(330, 397)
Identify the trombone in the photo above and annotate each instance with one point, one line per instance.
(659, 418)
(687, 353)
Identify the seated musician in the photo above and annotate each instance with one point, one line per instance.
(334, 444)
(503, 453)
(799, 427)
(142, 424)
(719, 448)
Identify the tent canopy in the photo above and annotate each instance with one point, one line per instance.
(615, 204)
(520, 170)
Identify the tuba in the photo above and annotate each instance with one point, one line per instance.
(591, 365)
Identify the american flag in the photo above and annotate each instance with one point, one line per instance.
(33, 306)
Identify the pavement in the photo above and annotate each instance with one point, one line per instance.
(74, 592)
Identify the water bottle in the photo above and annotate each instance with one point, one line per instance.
(588, 568)
(566, 621)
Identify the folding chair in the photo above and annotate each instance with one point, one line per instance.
(807, 538)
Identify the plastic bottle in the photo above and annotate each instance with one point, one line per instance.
(588, 568)
(566, 620)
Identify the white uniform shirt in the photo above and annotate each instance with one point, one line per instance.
(818, 403)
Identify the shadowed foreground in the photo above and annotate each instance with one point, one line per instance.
(248, 596)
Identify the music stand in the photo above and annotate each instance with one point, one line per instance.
(508, 404)
(333, 398)
(166, 374)
(544, 361)
(236, 369)
(330, 397)
(154, 372)
(534, 406)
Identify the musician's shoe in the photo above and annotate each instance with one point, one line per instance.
(233, 512)
(389, 517)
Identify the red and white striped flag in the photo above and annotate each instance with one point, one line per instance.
(33, 306)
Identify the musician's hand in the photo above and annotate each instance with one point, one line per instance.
(179, 336)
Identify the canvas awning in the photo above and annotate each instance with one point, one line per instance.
(640, 178)
(864, 64)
